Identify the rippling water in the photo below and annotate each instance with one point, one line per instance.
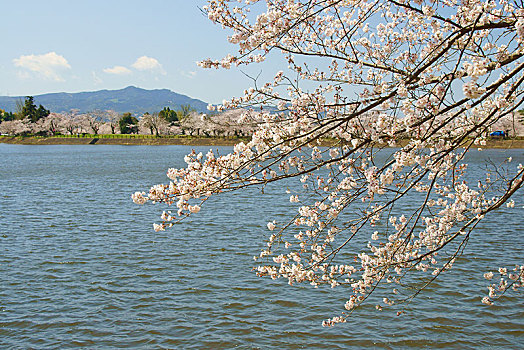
(80, 267)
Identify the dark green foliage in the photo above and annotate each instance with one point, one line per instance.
(128, 124)
(172, 116)
(30, 111)
(41, 112)
(169, 115)
(6, 116)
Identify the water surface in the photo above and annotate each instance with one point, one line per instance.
(81, 267)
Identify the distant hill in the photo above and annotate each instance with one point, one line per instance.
(130, 99)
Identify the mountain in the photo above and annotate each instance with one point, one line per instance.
(130, 99)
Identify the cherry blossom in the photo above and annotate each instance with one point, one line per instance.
(378, 107)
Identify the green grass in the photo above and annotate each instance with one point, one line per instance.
(130, 136)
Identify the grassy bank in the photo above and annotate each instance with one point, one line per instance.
(178, 140)
(120, 140)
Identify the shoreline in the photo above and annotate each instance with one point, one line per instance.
(133, 141)
(516, 143)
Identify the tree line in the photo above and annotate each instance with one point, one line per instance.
(30, 119)
(25, 110)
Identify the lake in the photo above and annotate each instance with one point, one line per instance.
(81, 267)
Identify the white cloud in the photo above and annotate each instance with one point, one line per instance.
(96, 79)
(120, 70)
(189, 75)
(145, 63)
(48, 65)
(23, 74)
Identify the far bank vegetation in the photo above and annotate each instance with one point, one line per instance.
(30, 120)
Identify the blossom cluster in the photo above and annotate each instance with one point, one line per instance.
(507, 280)
(375, 114)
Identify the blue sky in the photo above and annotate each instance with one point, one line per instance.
(71, 46)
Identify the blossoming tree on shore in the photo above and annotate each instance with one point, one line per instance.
(426, 78)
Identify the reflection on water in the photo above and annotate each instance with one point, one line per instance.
(81, 267)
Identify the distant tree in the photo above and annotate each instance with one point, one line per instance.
(94, 121)
(6, 116)
(30, 111)
(169, 115)
(511, 125)
(128, 124)
(144, 123)
(193, 124)
(15, 127)
(112, 120)
(52, 122)
(185, 111)
(70, 122)
(19, 106)
(41, 112)
(154, 122)
(217, 124)
(7, 127)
